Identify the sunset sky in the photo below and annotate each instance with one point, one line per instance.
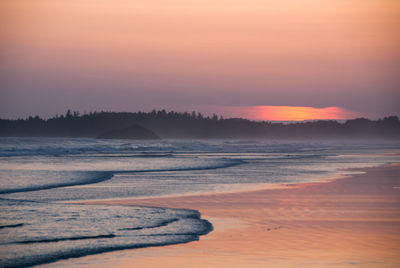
(258, 59)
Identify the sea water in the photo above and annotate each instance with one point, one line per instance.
(39, 177)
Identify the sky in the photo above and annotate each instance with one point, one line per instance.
(257, 59)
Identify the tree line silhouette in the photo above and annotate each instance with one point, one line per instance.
(197, 126)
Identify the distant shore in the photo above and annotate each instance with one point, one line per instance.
(175, 125)
(352, 221)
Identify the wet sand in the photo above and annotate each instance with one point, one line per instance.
(349, 222)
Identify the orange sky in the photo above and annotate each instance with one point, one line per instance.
(284, 113)
(126, 55)
(288, 113)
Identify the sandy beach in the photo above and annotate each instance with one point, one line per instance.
(353, 221)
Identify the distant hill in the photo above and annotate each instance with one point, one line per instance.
(133, 132)
(196, 126)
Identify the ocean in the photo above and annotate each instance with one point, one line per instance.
(44, 181)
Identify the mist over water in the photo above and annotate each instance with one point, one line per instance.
(37, 177)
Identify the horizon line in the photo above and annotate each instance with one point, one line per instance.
(77, 113)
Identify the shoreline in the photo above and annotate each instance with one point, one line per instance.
(257, 188)
(350, 221)
(253, 187)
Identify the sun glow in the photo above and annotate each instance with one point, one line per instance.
(293, 113)
(283, 113)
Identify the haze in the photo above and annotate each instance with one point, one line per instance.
(227, 57)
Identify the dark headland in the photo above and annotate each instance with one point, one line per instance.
(163, 124)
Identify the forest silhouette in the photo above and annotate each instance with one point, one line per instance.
(175, 125)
